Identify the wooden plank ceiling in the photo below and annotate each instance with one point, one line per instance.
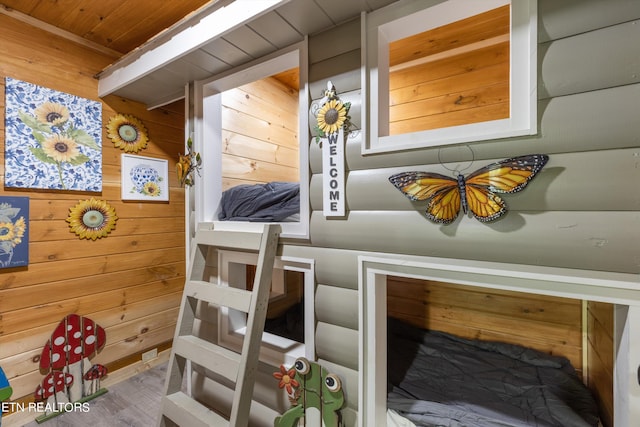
(123, 26)
(120, 25)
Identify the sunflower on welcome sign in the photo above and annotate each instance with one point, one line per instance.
(333, 114)
(127, 133)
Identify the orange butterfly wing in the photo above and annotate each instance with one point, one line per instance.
(483, 204)
(507, 176)
(441, 191)
(444, 207)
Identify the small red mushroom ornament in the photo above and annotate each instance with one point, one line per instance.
(93, 375)
(53, 389)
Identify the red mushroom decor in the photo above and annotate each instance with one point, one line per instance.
(65, 357)
(53, 389)
(93, 375)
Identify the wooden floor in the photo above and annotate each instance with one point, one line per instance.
(131, 403)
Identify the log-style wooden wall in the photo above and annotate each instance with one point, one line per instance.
(129, 282)
(569, 217)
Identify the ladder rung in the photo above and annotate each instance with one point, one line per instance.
(211, 356)
(226, 296)
(245, 240)
(185, 411)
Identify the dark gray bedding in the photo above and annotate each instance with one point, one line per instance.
(437, 379)
(270, 202)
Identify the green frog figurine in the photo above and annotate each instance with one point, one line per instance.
(316, 394)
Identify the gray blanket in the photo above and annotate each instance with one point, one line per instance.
(437, 379)
(271, 202)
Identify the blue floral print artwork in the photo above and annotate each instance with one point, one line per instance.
(53, 140)
(146, 180)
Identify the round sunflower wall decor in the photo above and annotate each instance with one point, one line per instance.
(127, 133)
(92, 219)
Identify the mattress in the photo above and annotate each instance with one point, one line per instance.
(438, 379)
(270, 202)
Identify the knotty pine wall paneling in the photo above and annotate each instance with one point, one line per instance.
(260, 136)
(130, 282)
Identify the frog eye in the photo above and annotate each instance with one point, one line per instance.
(302, 365)
(333, 383)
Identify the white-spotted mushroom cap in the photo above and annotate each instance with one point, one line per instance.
(97, 371)
(73, 339)
(54, 382)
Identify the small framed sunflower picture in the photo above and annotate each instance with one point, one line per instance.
(144, 178)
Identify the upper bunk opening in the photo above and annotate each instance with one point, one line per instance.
(260, 153)
(251, 129)
(450, 72)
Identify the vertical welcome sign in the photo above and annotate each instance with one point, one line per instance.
(333, 174)
(332, 119)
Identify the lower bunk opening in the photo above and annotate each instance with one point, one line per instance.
(460, 355)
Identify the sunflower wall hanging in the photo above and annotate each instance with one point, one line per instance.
(332, 119)
(92, 219)
(127, 133)
(332, 115)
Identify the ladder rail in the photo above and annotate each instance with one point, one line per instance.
(255, 326)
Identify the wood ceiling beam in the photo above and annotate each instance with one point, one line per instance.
(6, 10)
(184, 37)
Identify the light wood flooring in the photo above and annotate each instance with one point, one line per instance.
(131, 403)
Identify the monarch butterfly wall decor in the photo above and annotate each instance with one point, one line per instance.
(475, 193)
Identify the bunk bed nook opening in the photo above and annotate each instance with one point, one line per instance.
(288, 332)
(450, 72)
(458, 76)
(487, 357)
(551, 323)
(254, 140)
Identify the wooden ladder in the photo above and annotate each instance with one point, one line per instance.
(177, 407)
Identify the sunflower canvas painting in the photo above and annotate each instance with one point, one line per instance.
(14, 232)
(144, 178)
(53, 140)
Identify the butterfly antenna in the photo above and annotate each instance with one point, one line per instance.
(456, 170)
